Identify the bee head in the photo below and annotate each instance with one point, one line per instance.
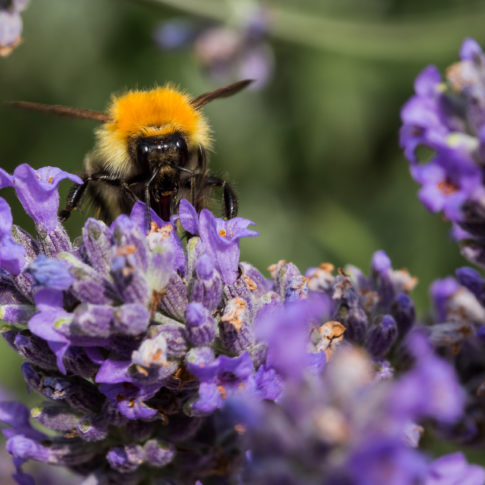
(155, 151)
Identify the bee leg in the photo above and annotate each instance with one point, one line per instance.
(201, 159)
(229, 197)
(147, 198)
(73, 200)
(77, 191)
(147, 206)
(196, 188)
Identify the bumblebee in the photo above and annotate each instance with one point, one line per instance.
(152, 146)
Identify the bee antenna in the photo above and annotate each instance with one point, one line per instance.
(223, 92)
(61, 110)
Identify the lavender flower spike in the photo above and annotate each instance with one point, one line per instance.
(219, 237)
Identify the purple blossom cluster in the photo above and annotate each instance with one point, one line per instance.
(163, 359)
(10, 25)
(225, 52)
(348, 426)
(446, 117)
(458, 333)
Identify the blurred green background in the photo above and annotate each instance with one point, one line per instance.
(314, 155)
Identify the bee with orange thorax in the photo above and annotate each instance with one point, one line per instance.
(151, 147)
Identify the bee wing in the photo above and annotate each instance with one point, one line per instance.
(223, 92)
(86, 114)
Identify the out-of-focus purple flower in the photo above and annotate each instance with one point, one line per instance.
(285, 332)
(225, 52)
(175, 34)
(431, 388)
(454, 469)
(340, 426)
(457, 332)
(447, 117)
(10, 25)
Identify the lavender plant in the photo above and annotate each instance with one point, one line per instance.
(161, 358)
(446, 117)
(169, 362)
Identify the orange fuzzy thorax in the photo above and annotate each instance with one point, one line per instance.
(160, 111)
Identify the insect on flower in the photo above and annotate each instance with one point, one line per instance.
(152, 147)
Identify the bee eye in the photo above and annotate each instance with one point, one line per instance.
(143, 148)
(169, 149)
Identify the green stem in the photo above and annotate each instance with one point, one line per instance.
(409, 39)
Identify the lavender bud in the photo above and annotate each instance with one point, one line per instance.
(56, 417)
(131, 319)
(175, 299)
(472, 280)
(24, 284)
(382, 336)
(35, 350)
(125, 459)
(61, 452)
(53, 242)
(76, 392)
(50, 272)
(130, 282)
(240, 289)
(235, 326)
(158, 453)
(77, 362)
(404, 313)
(97, 245)
(9, 294)
(25, 239)
(88, 286)
(19, 314)
(289, 283)
(93, 428)
(201, 327)
(356, 322)
(256, 282)
(175, 335)
(130, 242)
(92, 320)
(207, 285)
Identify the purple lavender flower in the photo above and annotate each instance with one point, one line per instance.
(448, 117)
(453, 468)
(343, 425)
(135, 339)
(12, 254)
(10, 25)
(219, 238)
(376, 310)
(140, 344)
(458, 333)
(225, 52)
